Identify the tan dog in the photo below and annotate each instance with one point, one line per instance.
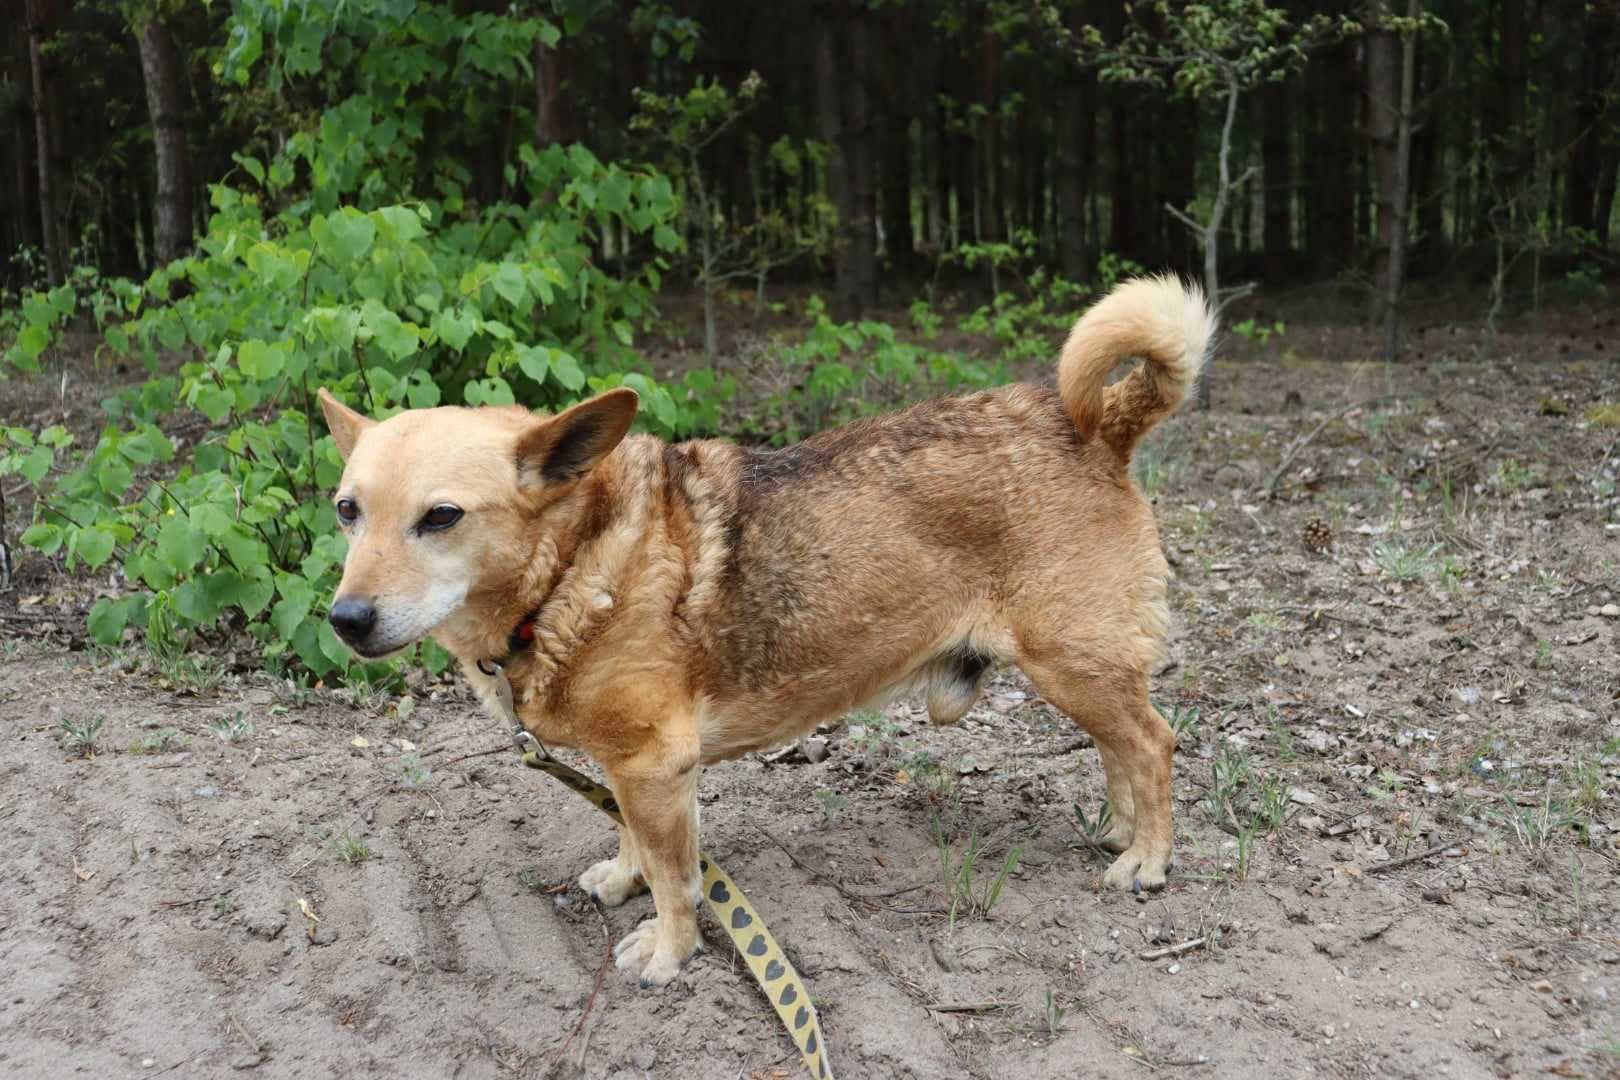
(666, 607)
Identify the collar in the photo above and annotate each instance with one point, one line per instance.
(517, 642)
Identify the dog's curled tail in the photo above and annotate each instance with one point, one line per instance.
(1165, 322)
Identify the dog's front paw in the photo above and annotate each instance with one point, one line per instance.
(1137, 872)
(611, 883)
(655, 953)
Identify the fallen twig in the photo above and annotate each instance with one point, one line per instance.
(1174, 950)
(601, 970)
(1306, 439)
(829, 879)
(969, 1006)
(1406, 860)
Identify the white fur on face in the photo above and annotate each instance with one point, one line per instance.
(400, 622)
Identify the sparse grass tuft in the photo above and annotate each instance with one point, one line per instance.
(160, 741)
(1159, 463)
(1404, 563)
(351, 849)
(1054, 1014)
(1537, 827)
(969, 894)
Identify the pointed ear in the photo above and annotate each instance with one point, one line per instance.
(572, 443)
(346, 424)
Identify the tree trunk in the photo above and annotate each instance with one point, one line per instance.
(50, 240)
(160, 67)
(1399, 199)
(548, 124)
(861, 136)
(830, 129)
(1382, 85)
(1076, 134)
(1331, 203)
(897, 234)
(994, 229)
(1593, 120)
(1277, 164)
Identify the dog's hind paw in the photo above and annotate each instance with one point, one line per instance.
(611, 883)
(644, 952)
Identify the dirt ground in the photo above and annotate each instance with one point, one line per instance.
(1398, 807)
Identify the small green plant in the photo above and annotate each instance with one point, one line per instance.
(160, 741)
(832, 803)
(223, 905)
(1159, 463)
(1404, 563)
(966, 895)
(926, 772)
(1586, 781)
(1054, 1014)
(1271, 810)
(1183, 720)
(79, 736)
(233, 728)
(1512, 475)
(1259, 333)
(1229, 774)
(1281, 739)
(414, 774)
(1537, 827)
(352, 849)
(1094, 828)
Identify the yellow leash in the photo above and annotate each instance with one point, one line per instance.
(771, 969)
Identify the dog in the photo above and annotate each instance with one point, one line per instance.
(665, 607)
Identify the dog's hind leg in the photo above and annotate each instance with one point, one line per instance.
(1136, 747)
(613, 881)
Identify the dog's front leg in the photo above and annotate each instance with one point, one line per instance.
(660, 812)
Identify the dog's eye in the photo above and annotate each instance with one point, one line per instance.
(347, 511)
(440, 518)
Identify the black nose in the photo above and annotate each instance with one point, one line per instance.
(353, 618)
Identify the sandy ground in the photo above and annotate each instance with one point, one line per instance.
(1443, 682)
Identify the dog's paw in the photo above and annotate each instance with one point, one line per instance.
(611, 883)
(1136, 872)
(647, 954)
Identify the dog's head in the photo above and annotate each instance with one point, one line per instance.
(438, 504)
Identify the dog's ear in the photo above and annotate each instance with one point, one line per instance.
(346, 424)
(570, 444)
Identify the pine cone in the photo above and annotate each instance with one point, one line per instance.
(1318, 536)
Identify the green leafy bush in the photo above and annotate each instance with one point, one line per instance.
(319, 268)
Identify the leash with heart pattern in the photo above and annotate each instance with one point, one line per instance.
(772, 970)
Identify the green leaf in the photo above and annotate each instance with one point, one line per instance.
(292, 609)
(109, 616)
(534, 361)
(36, 463)
(43, 537)
(94, 546)
(398, 339)
(455, 328)
(666, 239)
(113, 476)
(348, 235)
(181, 547)
(567, 370)
(215, 402)
(33, 341)
(260, 361)
(510, 284)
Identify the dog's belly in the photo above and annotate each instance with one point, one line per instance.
(948, 676)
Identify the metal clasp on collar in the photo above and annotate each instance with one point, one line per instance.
(527, 743)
